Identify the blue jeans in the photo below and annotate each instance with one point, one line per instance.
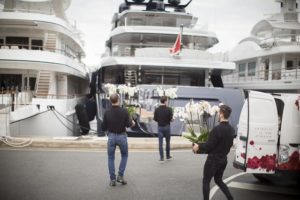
(115, 140)
(164, 131)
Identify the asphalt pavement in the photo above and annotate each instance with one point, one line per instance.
(83, 175)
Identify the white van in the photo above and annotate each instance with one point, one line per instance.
(268, 137)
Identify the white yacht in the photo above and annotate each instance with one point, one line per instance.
(41, 74)
(139, 52)
(138, 47)
(269, 59)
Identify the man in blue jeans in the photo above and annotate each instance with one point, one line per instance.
(163, 116)
(115, 121)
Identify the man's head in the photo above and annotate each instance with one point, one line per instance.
(225, 112)
(163, 100)
(114, 99)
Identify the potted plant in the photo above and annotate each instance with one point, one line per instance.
(200, 118)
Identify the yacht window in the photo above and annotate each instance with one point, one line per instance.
(251, 68)
(20, 42)
(135, 22)
(10, 81)
(289, 64)
(37, 44)
(242, 69)
(1, 42)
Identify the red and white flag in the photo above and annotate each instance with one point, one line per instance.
(176, 49)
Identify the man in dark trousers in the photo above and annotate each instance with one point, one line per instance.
(217, 147)
(163, 116)
(115, 121)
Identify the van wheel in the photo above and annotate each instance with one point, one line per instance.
(261, 177)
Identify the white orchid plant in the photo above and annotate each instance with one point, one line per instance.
(168, 92)
(123, 90)
(200, 116)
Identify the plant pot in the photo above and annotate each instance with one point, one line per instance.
(200, 150)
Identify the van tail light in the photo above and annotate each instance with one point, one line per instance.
(283, 154)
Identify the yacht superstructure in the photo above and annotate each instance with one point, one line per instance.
(138, 48)
(40, 68)
(139, 53)
(269, 59)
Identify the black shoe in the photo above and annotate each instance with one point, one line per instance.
(113, 183)
(170, 158)
(120, 179)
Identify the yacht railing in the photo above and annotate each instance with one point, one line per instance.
(281, 40)
(128, 49)
(41, 48)
(48, 12)
(17, 98)
(264, 75)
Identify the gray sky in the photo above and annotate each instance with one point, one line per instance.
(231, 20)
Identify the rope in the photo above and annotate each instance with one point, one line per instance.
(22, 144)
(91, 130)
(62, 122)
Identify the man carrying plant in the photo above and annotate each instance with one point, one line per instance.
(115, 121)
(217, 147)
(163, 116)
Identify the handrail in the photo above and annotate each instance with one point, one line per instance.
(41, 48)
(281, 39)
(272, 74)
(50, 12)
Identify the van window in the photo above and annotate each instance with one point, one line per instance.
(280, 106)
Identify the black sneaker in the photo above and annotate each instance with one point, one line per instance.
(113, 183)
(161, 161)
(170, 158)
(120, 179)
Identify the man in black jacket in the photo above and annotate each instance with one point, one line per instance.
(115, 121)
(163, 116)
(219, 142)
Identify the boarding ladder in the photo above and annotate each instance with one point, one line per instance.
(50, 44)
(43, 84)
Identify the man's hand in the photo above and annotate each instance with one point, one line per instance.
(195, 148)
(133, 123)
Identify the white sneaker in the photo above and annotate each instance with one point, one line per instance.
(161, 161)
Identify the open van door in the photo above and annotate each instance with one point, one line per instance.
(257, 137)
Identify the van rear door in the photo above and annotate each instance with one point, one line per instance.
(256, 150)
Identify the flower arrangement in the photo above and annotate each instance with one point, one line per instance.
(200, 118)
(169, 92)
(110, 88)
(125, 91)
(120, 89)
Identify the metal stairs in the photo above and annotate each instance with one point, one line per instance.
(130, 77)
(50, 44)
(43, 84)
